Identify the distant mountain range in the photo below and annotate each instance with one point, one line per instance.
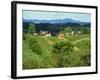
(54, 21)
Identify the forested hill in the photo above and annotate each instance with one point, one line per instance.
(54, 26)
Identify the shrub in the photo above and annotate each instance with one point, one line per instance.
(63, 47)
(64, 52)
(84, 53)
(34, 46)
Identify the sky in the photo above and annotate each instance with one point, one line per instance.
(50, 15)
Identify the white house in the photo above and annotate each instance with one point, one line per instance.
(35, 34)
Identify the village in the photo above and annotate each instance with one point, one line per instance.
(60, 35)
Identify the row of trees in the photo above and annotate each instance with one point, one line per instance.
(83, 30)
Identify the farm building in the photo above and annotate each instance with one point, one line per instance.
(45, 33)
(61, 36)
(35, 34)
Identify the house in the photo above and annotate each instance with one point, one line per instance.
(71, 33)
(42, 32)
(67, 33)
(45, 33)
(78, 32)
(35, 34)
(61, 36)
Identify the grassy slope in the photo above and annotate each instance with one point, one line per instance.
(74, 38)
(32, 60)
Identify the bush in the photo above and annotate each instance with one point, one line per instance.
(34, 46)
(64, 53)
(85, 50)
(63, 47)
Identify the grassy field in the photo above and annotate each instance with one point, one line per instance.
(51, 52)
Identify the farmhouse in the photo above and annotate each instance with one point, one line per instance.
(45, 33)
(67, 33)
(78, 32)
(61, 36)
(35, 34)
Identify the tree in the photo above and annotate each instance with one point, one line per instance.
(67, 30)
(34, 45)
(63, 51)
(63, 47)
(31, 28)
(85, 30)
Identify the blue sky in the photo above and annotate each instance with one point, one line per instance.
(49, 15)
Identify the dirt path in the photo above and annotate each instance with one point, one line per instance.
(80, 40)
(49, 41)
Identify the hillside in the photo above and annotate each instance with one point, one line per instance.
(39, 51)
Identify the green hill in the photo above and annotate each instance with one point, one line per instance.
(39, 51)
